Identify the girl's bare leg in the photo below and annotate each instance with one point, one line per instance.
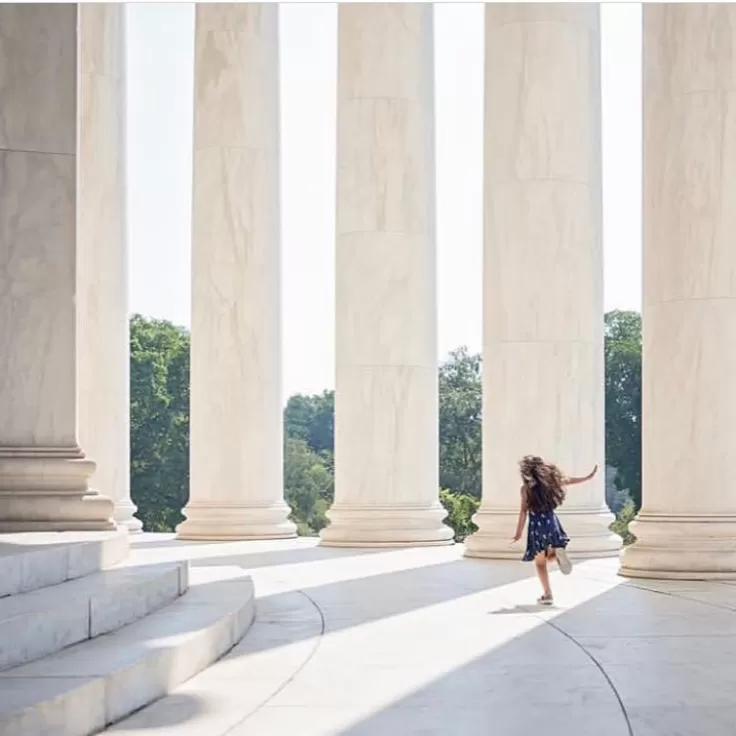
(540, 564)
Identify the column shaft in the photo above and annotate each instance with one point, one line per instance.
(543, 364)
(104, 367)
(44, 475)
(687, 525)
(386, 424)
(236, 474)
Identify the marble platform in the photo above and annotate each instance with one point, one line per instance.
(424, 641)
(87, 638)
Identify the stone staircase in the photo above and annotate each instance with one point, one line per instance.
(86, 639)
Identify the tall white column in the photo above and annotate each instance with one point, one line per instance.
(687, 525)
(236, 454)
(104, 367)
(44, 474)
(543, 364)
(386, 433)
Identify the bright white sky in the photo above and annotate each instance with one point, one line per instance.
(160, 66)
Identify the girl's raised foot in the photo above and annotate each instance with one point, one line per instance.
(563, 561)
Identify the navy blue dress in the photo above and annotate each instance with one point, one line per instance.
(544, 531)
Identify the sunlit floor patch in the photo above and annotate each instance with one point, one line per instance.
(424, 641)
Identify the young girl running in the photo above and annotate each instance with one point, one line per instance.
(543, 491)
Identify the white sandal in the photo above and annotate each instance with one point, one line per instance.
(545, 601)
(563, 561)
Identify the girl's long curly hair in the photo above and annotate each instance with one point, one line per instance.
(543, 483)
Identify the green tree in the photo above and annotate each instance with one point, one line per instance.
(623, 399)
(159, 421)
(461, 402)
(312, 419)
(308, 486)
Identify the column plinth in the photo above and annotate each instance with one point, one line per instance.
(47, 489)
(386, 405)
(687, 525)
(221, 523)
(236, 436)
(543, 364)
(354, 526)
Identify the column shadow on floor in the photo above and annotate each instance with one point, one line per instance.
(627, 662)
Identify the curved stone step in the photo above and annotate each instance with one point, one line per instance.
(44, 621)
(81, 690)
(33, 560)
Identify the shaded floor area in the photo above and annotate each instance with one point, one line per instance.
(424, 641)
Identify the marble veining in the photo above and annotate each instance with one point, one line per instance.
(38, 54)
(689, 313)
(543, 266)
(102, 317)
(236, 426)
(386, 433)
(37, 290)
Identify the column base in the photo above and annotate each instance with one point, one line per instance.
(588, 529)
(124, 516)
(217, 523)
(386, 526)
(47, 490)
(681, 547)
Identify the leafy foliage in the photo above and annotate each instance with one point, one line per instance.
(461, 402)
(623, 400)
(312, 419)
(308, 486)
(460, 509)
(159, 421)
(624, 517)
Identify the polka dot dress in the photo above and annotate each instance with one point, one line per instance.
(544, 531)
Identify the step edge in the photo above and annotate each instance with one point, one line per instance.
(236, 620)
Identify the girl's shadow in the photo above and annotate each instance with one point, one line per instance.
(516, 610)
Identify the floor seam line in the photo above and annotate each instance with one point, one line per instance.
(293, 675)
(600, 668)
(679, 596)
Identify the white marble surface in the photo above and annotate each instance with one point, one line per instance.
(102, 320)
(43, 473)
(543, 272)
(236, 483)
(111, 676)
(82, 609)
(38, 84)
(689, 301)
(386, 455)
(424, 641)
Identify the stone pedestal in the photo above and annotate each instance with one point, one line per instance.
(386, 433)
(44, 475)
(543, 370)
(687, 525)
(236, 475)
(102, 320)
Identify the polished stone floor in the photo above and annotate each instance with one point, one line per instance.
(424, 641)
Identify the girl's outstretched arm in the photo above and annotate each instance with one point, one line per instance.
(571, 481)
(522, 517)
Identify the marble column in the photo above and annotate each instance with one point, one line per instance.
(687, 525)
(236, 455)
(44, 474)
(386, 432)
(102, 320)
(543, 364)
